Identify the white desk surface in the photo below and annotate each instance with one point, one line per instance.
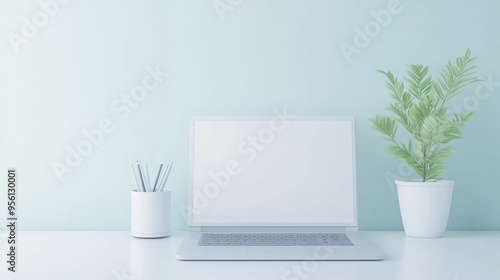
(116, 255)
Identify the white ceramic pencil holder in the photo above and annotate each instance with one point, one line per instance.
(150, 217)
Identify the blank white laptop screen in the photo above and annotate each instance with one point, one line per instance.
(265, 171)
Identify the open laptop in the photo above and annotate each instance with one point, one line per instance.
(273, 188)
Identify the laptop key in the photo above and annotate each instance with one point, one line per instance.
(287, 244)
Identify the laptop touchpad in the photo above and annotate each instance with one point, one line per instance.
(267, 250)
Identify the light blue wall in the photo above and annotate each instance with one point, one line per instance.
(263, 55)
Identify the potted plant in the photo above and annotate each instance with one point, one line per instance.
(420, 107)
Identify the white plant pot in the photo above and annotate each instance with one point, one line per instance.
(425, 207)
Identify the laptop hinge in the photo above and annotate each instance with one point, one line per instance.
(195, 229)
(272, 229)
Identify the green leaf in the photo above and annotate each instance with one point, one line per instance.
(420, 106)
(386, 126)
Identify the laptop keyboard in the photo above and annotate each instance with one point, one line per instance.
(274, 239)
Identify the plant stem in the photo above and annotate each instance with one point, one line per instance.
(424, 152)
(442, 104)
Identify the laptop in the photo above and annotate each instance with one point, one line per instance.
(273, 188)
